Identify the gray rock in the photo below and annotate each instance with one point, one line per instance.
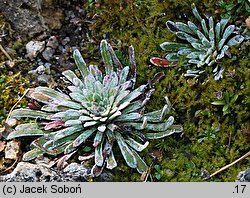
(32, 17)
(42, 73)
(12, 149)
(34, 47)
(244, 176)
(28, 172)
(48, 53)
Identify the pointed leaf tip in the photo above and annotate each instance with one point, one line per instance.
(161, 62)
(106, 56)
(82, 66)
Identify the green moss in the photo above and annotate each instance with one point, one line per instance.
(142, 24)
(12, 86)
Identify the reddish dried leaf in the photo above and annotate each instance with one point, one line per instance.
(54, 125)
(34, 105)
(162, 62)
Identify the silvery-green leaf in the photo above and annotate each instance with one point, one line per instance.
(114, 58)
(193, 71)
(183, 35)
(154, 116)
(98, 138)
(116, 114)
(94, 70)
(114, 80)
(126, 151)
(52, 144)
(77, 96)
(191, 75)
(85, 118)
(211, 63)
(154, 127)
(96, 97)
(52, 93)
(172, 57)
(69, 149)
(193, 55)
(208, 59)
(219, 74)
(235, 40)
(197, 46)
(201, 35)
(141, 165)
(192, 27)
(28, 113)
(191, 40)
(222, 53)
(158, 116)
(206, 43)
(87, 94)
(98, 87)
(195, 12)
(221, 44)
(211, 23)
(80, 63)
(126, 85)
(91, 123)
(110, 135)
(171, 26)
(183, 27)
(124, 75)
(133, 66)
(107, 59)
(129, 116)
(120, 96)
(193, 61)
(72, 122)
(53, 108)
(83, 137)
(136, 145)
(66, 115)
(132, 107)
(30, 129)
(228, 31)
(167, 107)
(144, 122)
(111, 162)
(41, 97)
(89, 82)
(72, 78)
(102, 128)
(202, 58)
(184, 51)
(74, 89)
(223, 23)
(71, 104)
(204, 27)
(30, 155)
(172, 129)
(134, 94)
(217, 31)
(66, 132)
(170, 46)
(98, 154)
